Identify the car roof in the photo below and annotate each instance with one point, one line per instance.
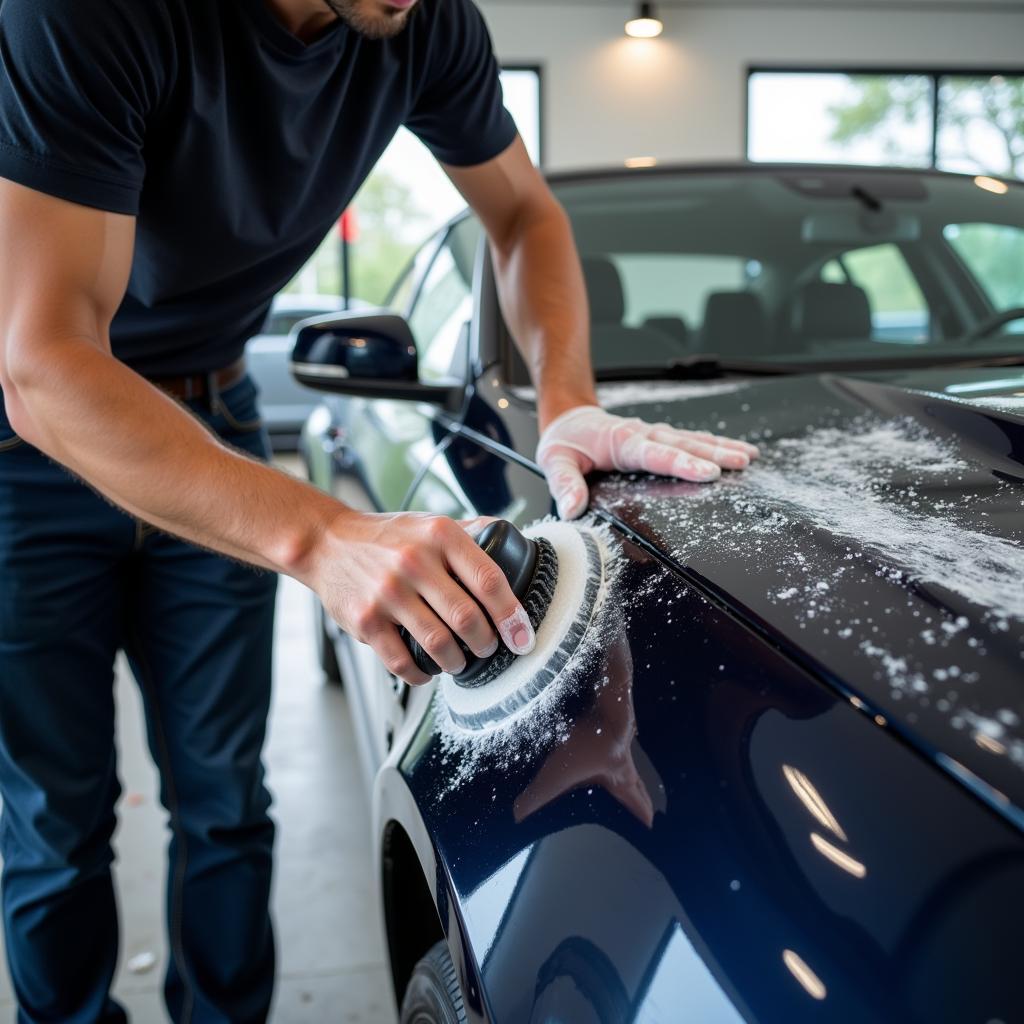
(749, 167)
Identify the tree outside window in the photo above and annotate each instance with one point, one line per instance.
(972, 123)
(981, 124)
(405, 200)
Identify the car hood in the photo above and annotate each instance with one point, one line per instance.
(692, 826)
(879, 542)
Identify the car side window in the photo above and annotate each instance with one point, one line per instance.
(445, 303)
(993, 255)
(899, 311)
(403, 292)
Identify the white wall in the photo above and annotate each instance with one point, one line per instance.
(682, 97)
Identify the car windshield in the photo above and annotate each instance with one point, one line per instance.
(799, 266)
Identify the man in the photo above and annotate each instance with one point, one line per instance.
(166, 166)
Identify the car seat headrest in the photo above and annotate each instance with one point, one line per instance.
(674, 327)
(734, 323)
(827, 310)
(604, 289)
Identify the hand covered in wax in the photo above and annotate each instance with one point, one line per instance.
(588, 438)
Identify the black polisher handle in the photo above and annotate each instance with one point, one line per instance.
(516, 556)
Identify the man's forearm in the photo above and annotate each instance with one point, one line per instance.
(544, 301)
(147, 455)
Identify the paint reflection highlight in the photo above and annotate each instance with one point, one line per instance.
(812, 984)
(812, 800)
(838, 857)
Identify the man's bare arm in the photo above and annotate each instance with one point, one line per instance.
(543, 298)
(540, 283)
(63, 273)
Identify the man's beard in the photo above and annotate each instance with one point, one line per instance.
(378, 25)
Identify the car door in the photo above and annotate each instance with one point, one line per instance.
(394, 442)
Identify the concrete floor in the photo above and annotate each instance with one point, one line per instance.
(331, 959)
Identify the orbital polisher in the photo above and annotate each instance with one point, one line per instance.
(556, 570)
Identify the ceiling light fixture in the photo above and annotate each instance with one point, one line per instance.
(646, 24)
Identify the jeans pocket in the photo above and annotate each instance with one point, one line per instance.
(8, 438)
(239, 407)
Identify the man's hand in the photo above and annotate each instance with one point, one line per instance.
(588, 438)
(68, 396)
(377, 572)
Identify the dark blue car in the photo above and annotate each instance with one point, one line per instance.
(788, 784)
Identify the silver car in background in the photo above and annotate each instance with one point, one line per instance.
(286, 404)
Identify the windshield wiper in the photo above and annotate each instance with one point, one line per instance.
(700, 367)
(1010, 359)
(710, 368)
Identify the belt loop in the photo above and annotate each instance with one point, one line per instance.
(212, 392)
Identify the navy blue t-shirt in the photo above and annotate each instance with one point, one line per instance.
(236, 145)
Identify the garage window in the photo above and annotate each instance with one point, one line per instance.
(969, 122)
(406, 199)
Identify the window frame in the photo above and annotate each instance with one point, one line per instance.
(936, 73)
(537, 69)
(438, 243)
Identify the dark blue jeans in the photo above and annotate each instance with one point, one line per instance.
(80, 580)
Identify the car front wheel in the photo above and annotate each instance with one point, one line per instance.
(433, 995)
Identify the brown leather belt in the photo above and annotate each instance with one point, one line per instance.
(202, 385)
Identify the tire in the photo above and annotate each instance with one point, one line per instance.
(434, 995)
(326, 655)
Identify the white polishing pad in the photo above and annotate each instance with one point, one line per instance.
(568, 618)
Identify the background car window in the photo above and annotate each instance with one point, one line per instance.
(899, 312)
(660, 285)
(282, 323)
(994, 255)
(445, 303)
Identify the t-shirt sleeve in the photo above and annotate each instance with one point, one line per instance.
(460, 113)
(78, 80)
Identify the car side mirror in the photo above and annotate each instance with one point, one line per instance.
(365, 354)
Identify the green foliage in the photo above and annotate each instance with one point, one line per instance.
(883, 273)
(994, 254)
(884, 106)
(999, 102)
(391, 227)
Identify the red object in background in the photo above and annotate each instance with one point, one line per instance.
(348, 226)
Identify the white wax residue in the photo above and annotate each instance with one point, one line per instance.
(650, 392)
(889, 492)
(566, 605)
(614, 396)
(1012, 403)
(837, 479)
(1004, 403)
